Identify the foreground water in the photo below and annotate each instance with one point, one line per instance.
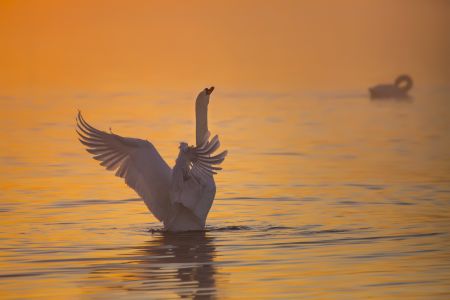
(322, 197)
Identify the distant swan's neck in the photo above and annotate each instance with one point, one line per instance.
(404, 82)
(201, 120)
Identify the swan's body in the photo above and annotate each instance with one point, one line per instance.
(180, 197)
(398, 90)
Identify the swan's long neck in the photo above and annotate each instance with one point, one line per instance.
(201, 120)
(404, 79)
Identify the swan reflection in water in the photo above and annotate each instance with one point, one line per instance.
(178, 262)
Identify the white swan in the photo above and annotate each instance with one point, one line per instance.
(180, 197)
(396, 90)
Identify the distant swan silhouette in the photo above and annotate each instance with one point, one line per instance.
(398, 90)
(180, 197)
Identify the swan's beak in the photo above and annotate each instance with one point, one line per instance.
(209, 91)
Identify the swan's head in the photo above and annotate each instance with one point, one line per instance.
(203, 97)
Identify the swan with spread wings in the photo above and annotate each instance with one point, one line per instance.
(180, 197)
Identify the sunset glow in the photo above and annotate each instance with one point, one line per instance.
(360, 187)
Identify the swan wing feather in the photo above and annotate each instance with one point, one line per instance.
(201, 160)
(136, 161)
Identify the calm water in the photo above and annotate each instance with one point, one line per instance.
(323, 196)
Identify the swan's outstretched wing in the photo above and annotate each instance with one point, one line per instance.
(136, 160)
(202, 162)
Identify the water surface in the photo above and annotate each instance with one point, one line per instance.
(322, 197)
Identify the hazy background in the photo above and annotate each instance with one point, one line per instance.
(86, 46)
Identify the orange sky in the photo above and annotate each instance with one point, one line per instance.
(159, 45)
